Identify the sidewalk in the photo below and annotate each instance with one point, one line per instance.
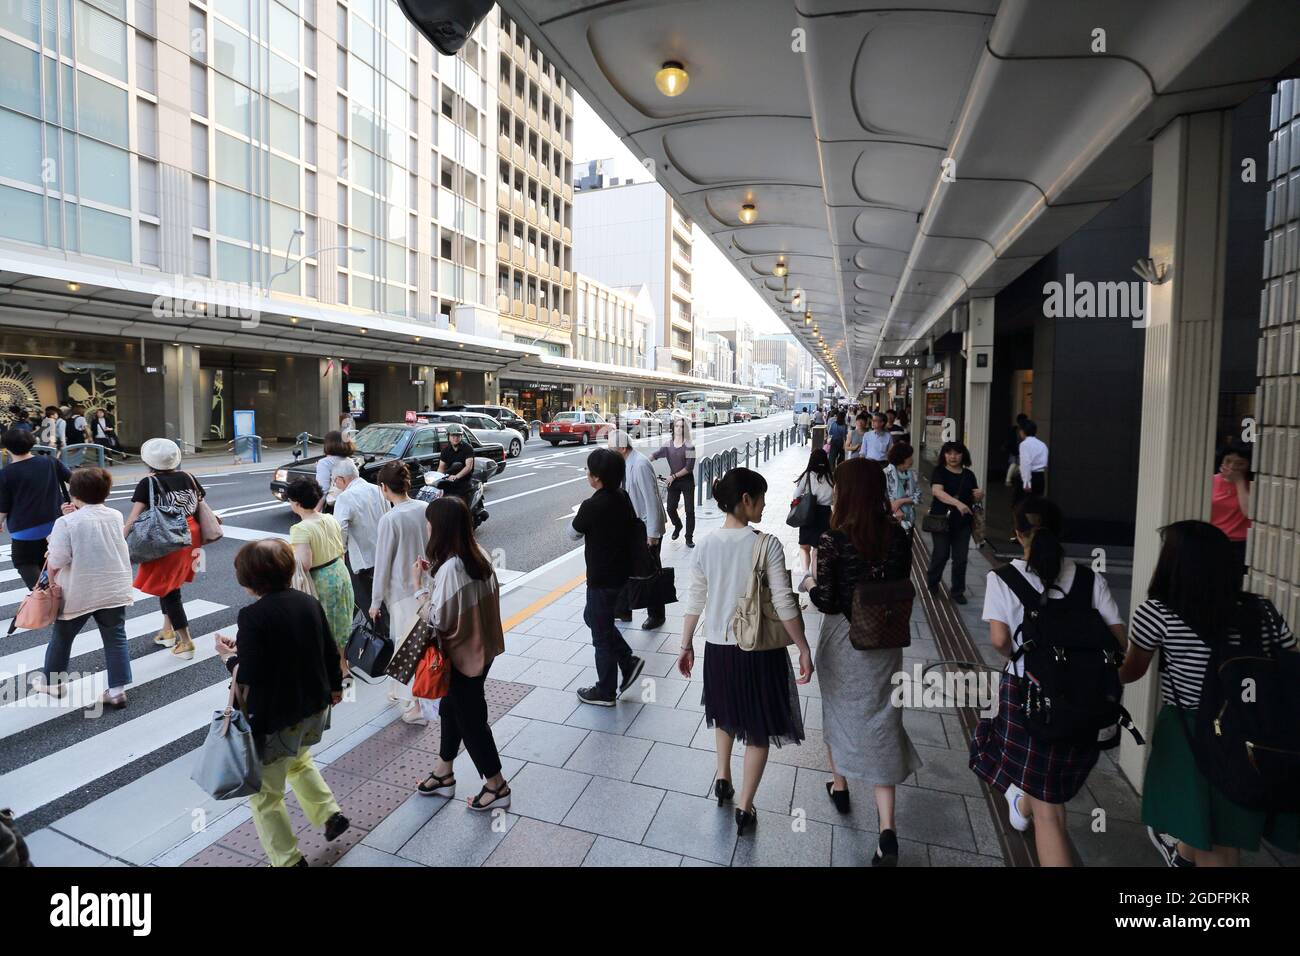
(212, 463)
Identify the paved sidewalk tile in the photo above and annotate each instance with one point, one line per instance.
(609, 755)
(546, 793)
(535, 843)
(615, 809)
(546, 743)
(608, 852)
(693, 826)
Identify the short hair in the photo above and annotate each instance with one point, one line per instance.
(18, 441)
(335, 445)
(880, 415)
(346, 469)
(890, 411)
(954, 446)
(608, 466)
(864, 418)
(52, 410)
(90, 485)
(619, 439)
(304, 492)
(898, 453)
(1029, 428)
(396, 477)
(264, 566)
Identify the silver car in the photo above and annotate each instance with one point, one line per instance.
(485, 428)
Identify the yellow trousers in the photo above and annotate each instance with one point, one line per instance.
(271, 817)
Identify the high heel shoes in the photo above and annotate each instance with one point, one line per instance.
(745, 820)
(724, 791)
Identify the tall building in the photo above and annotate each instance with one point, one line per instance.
(783, 351)
(534, 195)
(635, 234)
(739, 333)
(612, 324)
(713, 356)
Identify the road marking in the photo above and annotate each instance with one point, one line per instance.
(539, 571)
(516, 619)
(492, 502)
(251, 534)
(236, 511)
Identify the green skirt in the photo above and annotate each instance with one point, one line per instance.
(334, 591)
(1178, 799)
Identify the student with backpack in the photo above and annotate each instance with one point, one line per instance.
(1037, 751)
(1210, 789)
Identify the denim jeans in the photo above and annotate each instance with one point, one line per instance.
(612, 652)
(112, 631)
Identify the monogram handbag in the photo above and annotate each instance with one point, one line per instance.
(229, 765)
(369, 648)
(882, 614)
(161, 529)
(41, 607)
(755, 624)
(409, 653)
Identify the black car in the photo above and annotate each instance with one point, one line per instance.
(418, 444)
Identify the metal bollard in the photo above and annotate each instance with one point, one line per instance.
(75, 455)
(247, 446)
(303, 442)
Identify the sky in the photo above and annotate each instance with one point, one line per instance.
(718, 287)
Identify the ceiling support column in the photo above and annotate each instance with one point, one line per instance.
(1180, 381)
(978, 342)
(180, 396)
(330, 401)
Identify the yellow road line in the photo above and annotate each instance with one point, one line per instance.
(516, 619)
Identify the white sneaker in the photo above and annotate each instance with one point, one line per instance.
(411, 714)
(1018, 819)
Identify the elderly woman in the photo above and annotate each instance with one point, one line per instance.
(318, 547)
(89, 561)
(286, 661)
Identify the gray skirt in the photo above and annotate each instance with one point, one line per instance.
(863, 729)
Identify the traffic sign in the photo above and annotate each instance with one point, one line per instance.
(902, 361)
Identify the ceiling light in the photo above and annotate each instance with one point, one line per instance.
(73, 286)
(417, 338)
(748, 213)
(779, 270)
(293, 320)
(362, 331)
(672, 78)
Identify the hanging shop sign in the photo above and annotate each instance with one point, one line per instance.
(889, 373)
(902, 361)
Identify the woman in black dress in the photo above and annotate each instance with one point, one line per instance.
(955, 489)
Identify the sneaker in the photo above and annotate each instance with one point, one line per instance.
(631, 674)
(1018, 819)
(184, 651)
(165, 638)
(690, 543)
(1168, 848)
(625, 618)
(592, 695)
(411, 714)
(652, 623)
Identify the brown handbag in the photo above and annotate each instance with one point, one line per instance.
(209, 524)
(882, 614)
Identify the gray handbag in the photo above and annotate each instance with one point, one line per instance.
(228, 765)
(160, 530)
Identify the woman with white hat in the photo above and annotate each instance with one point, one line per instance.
(163, 577)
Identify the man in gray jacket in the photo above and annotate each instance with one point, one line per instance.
(642, 486)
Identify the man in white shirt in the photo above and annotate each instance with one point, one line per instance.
(358, 509)
(642, 486)
(875, 443)
(1033, 462)
(804, 421)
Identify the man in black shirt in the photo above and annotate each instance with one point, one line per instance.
(609, 529)
(457, 460)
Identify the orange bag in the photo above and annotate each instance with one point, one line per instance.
(432, 675)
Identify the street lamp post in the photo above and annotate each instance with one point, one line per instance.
(290, 266)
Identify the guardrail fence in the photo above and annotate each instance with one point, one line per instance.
(756, 451)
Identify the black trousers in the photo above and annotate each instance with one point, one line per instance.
(29, 558)
(612, 652)
(679, 488)
(463, 715)
(363, 587)
(1038, 487)
(623, 607)
(174, 608)
(954, 545)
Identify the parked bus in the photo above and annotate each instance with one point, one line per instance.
(758, 406)
(704, 408)
(807, 400)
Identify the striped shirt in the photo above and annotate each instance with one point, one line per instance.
(1186, 656)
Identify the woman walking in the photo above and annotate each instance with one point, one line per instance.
(317, 543)
(836, 435)
(900, 481)
(818, 483)
(89, 561)
(399, 550)
(1230, 499)
(285, 659)
(32, 497)
(465, 610)
(955, 489)
(865, 737)
(749, 696)
(163, 577)
(336, 452)
(1037, 778)
(1195, 607)
(680, 454)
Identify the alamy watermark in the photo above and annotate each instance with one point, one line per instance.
(1084, 299)
(934, 688)
(178, 299)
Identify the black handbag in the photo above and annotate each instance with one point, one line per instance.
(656, 590)
(369, 648)
(802, 508)
(935, 524)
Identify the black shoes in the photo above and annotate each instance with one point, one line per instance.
(957, 598)
(625, 618)
(652, 624)
(933, 588)
(335, 826)
(592, 695)
(838, 797)
(690, 543)
(677, 533)
(724, 791)
(745, 820)
(631, 674)
(887, 851)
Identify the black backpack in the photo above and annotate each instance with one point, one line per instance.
(1246, 738)
(1072, 663)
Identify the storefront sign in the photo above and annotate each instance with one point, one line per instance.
(889, 373)
(871, 385)
(902, 361)
(936, 405)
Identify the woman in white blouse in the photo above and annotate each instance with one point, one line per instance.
(818, 481)
(88, 559)
(748, 695)
(399, 549)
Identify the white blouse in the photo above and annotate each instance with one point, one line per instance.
(88, 550)
(719, 579)
(819, 486)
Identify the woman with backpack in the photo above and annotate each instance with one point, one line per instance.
(1036, 776)
(748, 695)
(818, 483)
(1194, 608)
(865, 737)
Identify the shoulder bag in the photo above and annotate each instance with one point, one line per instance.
(228, 764)
(801, 508)
(41, 607)
(369, 648)
(161, 529)
(940, 524)
(755, 624)
(406, 659)
(209, 523)
(882, 608)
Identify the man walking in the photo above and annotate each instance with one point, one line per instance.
(358, 509)
(642, 487)
(805, 421)
(606, 525)
(875, 443)
(1033, 462)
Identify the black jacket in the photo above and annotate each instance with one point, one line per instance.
(287, 659)
(610, 529)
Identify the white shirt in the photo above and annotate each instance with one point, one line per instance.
(88, 549)
(642, 487)
(325, 471)
(875, 445)
(358, 510)
(1000, 604)
(817, 485)
(804, 419)
(1033, 457)
(403, 534)
(719, 577)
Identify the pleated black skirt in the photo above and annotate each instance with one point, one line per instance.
(751, 695)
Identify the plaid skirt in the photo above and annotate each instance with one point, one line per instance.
(1003, 752)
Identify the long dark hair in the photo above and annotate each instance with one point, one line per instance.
(1198, 577)
(862, 507)
(819, 463)
(451, 535)
(1041, 522)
